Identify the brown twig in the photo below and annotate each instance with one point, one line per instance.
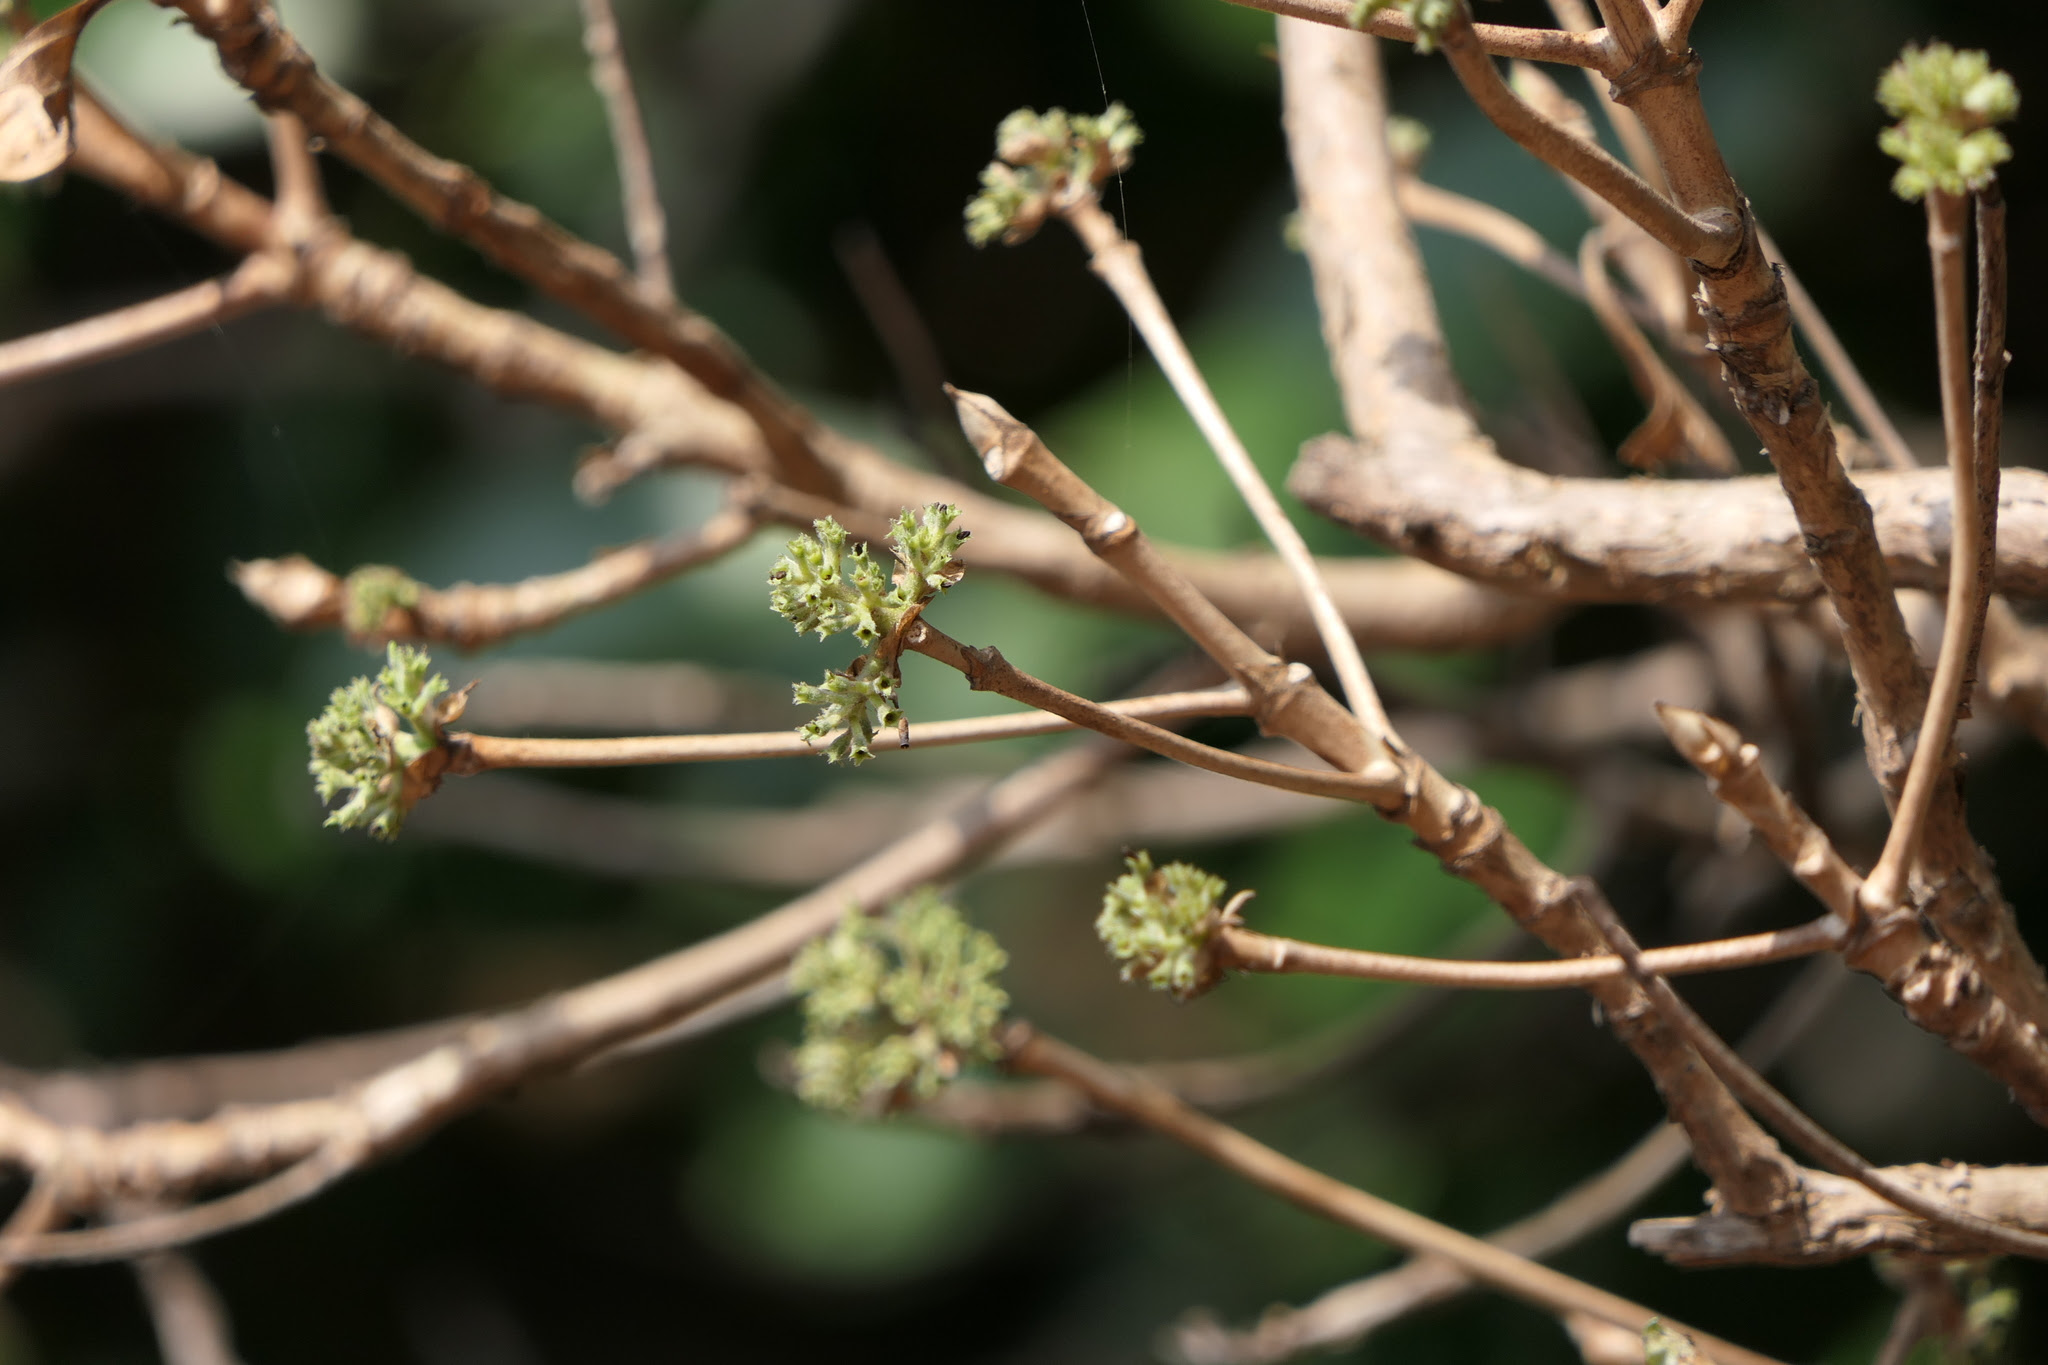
(1787, 1118)
(1116, 260)
(488, 753)
(296, 1148)
(1711, 233)
(1449, 820)
(1967, 588)
(1676, 423)
(191, 1322)
(1111, 1088)
(266, 60)
(1987, 407)
(1590, 50)
(261, 281)
(1938, 988)
(300, 595)
(1247, 950)
(1496, 229)
(646, 225)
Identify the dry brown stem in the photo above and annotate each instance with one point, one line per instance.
(261, 281)
(1449, 820)
(1247, 950)
(190, 1320)
(1590, 50)
(263, 57)
(1117, 261)
(295, 1148)
(1119, 1091)
(1987, 407)
(1767, 1102)
(300, 595)
(646, 225)
(1494, 228)
(1939, 988)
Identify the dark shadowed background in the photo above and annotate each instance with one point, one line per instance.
(165, 887)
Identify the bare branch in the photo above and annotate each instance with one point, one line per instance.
(191, 1323)
(646, 225)
(1121, 1092)
(300, 595)
(311, 1143)
(1248, 950)
(262, 281)
(1117, 262)
(1969, 558)
(1590, 50)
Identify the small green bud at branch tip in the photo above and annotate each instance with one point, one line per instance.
(1947, 103)
(1157, 923)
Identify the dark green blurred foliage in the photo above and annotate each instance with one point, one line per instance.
(164, 887)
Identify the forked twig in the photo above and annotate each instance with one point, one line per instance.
(646, 224)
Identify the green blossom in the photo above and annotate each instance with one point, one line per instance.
(1430, 17)
(860, 703)
(369, 595)
(1157, 923)
(1664, 1346)
(1946, 103)
(1044, 163)
(370, 734)
(827, 584)
(894, 1005)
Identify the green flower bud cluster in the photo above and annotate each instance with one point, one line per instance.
(1045, 162)
(1946, 103)
(1408, 139)
(894, 1005)
(1663, 1345)
(1158, 923)
(372, 732)
(371, 593)
(1430, 17)
(827, 584)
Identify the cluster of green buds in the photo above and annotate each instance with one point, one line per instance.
(828, 584)
(1157, 922)
(371, 594)
(379, 742)
(894, 1005)
(1947, 103)
(1665, 1345)
(1045, 163)
(1430, 17)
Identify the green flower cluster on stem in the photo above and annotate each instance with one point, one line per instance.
(378, 740)
(1947, 103)
(894, 1005)
(828, 584)
(1044, 163)
(1664, 1346)
(1158, 923)
(1430, 17)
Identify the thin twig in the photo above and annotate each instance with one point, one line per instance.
(486, 753)
(259, 282)
(646, 225)
(40, 1210)
(1116, 260)
(1931, 763)
(1117, 1090)
(191, 1322)
(1494, 228)
(1712, 237)
(1248, 950)
(1590, 50)
(1987, 408)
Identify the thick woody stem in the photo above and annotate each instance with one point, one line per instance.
(1248, 950)
(1118, 1091)
(1710, 234)
(1967, 593)
(1450, 821)
(1766, 1101)
(1117, 262)
(646, 225)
